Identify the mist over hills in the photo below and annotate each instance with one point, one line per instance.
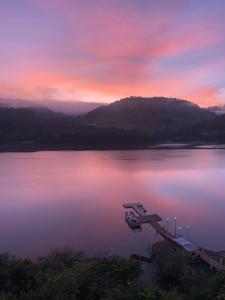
(219, 109)
(83, 107)
(18, 103)
(66, 107)
(129, 122)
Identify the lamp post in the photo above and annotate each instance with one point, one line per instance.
(167, 224)
(179, 231)
(175, 227)
(188, 231)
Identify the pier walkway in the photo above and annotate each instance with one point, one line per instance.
(213, 259)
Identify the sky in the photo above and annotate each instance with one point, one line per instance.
(103, 50)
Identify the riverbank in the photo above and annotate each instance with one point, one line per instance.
(34, 147)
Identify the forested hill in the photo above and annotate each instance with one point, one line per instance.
(27, 124)
(148, 114)
(128, 122)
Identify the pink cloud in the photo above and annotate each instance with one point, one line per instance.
(114, 49)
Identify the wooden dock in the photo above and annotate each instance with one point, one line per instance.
(152, 219)
(213, 259)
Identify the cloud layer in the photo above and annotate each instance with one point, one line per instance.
(103, 50)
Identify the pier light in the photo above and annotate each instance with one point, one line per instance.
(175, 226)
(188, 231)
(168, 224)
(179, 230)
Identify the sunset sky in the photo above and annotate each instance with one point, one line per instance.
(102, 50)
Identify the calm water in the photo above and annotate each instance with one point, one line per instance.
(56, 199)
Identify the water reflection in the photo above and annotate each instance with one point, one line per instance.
(56, 199)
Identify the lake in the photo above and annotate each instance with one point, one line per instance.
(74, 198)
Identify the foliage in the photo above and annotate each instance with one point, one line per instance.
(186, 279)
(69, 275)
(64, 275)
(171, 263)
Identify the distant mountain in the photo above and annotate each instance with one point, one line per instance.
(18, 103)
(219, 110)
(149, 115)
(66, 107)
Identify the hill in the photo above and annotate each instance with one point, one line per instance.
(148, 115)
(132, 122)
(23, 129)
(27, 124)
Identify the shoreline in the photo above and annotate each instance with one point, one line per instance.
(36, 147)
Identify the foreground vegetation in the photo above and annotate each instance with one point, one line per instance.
(66, 275)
